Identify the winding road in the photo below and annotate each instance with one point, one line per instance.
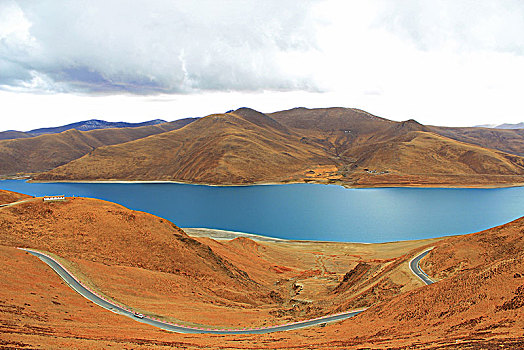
(110, 305)
(100, 300)
(415, 267)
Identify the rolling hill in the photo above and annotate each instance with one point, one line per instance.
(45, 152)
(13, 134)
(244, 146)
(153, 266)
(332, 145)
(107, 234)
(9, 196)
(510, 141)
(93, 124)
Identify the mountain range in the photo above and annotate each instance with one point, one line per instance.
(328, 145)
(502, 126)
(47, 151)
(85, 125)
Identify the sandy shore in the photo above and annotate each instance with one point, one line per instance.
(228, 235)
(224, 235)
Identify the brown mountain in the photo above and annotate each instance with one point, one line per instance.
(45, 152)
(334, 145)
(240, 147)
(510, 141)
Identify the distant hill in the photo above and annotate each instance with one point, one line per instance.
(85, 125)
(327, 145)
(47, 151)
(511, 126)
(92, 125)
(502, 126)
(13, 134)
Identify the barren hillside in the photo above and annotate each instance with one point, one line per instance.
(45, 152)
(334, 145)
(149, 263)
(9, 197)
(241, 147)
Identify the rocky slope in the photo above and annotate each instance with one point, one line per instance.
(479, 299)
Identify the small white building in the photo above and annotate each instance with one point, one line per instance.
(54, 198)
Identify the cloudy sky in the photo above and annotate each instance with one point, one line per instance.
(453, 62)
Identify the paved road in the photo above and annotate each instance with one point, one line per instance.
(79, 287)
(415, 268)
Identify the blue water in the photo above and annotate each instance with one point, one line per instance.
(308, 211)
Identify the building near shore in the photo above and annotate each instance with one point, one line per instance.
(54, 198)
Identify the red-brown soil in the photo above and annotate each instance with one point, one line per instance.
(480, 299)
(150, 264)
(109, 234)
(10, 197)
(334, 145)
(37, 310)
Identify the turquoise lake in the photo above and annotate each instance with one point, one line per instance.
(307, 211)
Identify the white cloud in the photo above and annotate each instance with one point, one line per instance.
(157, 46)
(440, 62)
(465, 25)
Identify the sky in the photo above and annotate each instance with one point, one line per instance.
(441, 62)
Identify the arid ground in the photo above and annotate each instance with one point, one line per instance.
(153, 266)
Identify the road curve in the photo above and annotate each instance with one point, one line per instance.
(83, 290)
(415, 267)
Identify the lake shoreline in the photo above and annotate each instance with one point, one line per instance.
(302, 212)
(226, 235)
(273, 183)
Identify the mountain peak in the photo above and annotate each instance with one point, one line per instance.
(412, 125)
(259, 119)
